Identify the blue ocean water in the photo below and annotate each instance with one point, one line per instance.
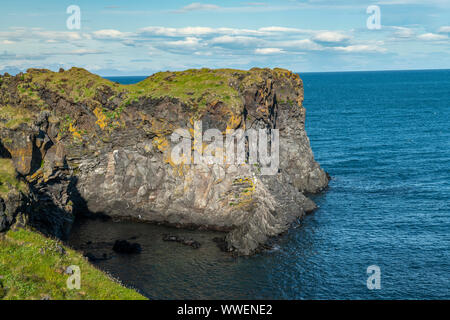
(384, 138)
(126, 80)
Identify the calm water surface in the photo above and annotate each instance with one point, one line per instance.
(384, 137)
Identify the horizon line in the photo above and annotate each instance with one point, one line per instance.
(297, 72)
(345, 71)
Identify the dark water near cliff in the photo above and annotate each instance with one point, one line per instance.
(385, 139)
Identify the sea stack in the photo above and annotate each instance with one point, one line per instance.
(73, 143)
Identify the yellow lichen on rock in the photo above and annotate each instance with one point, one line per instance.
(234, 122)
(102, 120)
(161, 143)
(76, 134)
(243, 195)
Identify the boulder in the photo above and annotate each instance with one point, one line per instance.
(123, 246)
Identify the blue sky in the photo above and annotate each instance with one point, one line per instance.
(140, 37)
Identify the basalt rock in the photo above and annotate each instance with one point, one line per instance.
(84, 145)
(187, 242)
(123, 246)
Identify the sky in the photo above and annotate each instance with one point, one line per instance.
(140, 37)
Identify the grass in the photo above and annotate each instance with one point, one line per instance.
(8, 177)
(196, 88)
(12, 117)
(76, 84)
(32, 267)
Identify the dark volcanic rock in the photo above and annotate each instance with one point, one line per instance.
(93, 258)
(222, 244)
(192, 243)
(83, 144)
(187, 242)
(123, 246)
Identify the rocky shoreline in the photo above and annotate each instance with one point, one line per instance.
(72, 143)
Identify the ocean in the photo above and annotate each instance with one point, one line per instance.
(384, 138)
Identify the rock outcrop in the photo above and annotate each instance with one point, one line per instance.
(82, 144)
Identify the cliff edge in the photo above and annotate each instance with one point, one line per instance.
(74, 143)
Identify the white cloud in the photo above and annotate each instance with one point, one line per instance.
(432, 37)
(8, 42)
(444, 29)
(86, 51)
(177, 32)
(402, 32)
(283, 30)
(203, 53)
(203, 31)
(78, 52)
(234, 40)
(196, 46)
(196, 6)
(269, 51)
(303, 44)
(331, 37)
(359, 48)
(187, 42)
(60, 35)
(108, 34)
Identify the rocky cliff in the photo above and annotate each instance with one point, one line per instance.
(74, 143)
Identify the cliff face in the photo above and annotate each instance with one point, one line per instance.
(80, 143)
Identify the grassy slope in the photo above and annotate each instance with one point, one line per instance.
(32, 267)
(197, 87)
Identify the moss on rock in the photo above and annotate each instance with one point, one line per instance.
(8, 178)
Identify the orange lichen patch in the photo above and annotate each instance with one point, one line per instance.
(36, 176)
(246, 180)
(159, 126)
(161, 143)
(102, 120)
(234, 122)
(178, 170)
(180, 166)
(243, 196)
(76, 134)
(22, 158)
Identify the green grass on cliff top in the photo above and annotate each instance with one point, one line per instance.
(32, 268)
(195, 87)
